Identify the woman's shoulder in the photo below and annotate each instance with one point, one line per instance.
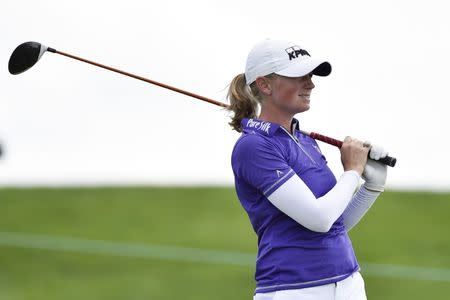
(252, 141)
(249, 146)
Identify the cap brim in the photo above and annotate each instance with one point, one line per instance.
(306, 66)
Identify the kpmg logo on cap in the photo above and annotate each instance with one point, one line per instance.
(295, 51)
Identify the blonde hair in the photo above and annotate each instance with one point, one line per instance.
(244, 100)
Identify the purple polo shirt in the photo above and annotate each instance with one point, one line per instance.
(290, 256)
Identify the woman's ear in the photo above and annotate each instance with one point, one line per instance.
(264, 85)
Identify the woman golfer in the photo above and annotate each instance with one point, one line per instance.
(300, 212)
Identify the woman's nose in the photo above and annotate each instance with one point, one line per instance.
(310, 82)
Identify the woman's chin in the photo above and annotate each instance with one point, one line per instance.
(304, 107)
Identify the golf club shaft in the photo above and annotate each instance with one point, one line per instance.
(140, 78)
(390, 161)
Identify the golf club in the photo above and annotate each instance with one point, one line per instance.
(27, 55)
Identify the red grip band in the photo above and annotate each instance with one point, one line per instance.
(326, 139)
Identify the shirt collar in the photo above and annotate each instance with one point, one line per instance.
(264, 127)
(295, 124)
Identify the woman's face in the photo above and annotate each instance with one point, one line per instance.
(292, 95)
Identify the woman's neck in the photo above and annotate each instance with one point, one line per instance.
(277, 118)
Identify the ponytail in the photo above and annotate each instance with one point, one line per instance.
(242, 102)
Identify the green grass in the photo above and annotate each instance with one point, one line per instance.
(409, 229)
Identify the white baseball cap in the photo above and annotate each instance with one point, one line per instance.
(282, 58)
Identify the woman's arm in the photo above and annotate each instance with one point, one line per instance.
(374, 175)
(358, 207)
(296, 200)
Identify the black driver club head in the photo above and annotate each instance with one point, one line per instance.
(25, 56)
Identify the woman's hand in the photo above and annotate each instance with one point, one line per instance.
(375, 173)
(354, 155)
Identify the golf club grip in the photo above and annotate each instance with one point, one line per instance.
(387, 160)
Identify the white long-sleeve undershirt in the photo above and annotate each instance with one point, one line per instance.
(361, 202)
(296, 200)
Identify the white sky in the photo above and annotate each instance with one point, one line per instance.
(66, 122)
